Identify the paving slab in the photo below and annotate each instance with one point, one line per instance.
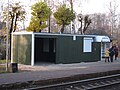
(52, 71)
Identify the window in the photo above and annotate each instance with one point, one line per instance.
(87, 44)
(46, 45)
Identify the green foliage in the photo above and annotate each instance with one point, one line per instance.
(34, 25)
(64, 16)
(40, 14)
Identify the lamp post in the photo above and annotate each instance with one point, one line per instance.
(7, 30)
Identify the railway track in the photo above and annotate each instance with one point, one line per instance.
(88, 84)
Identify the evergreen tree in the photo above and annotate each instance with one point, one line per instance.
(40, 14)
(64, 16)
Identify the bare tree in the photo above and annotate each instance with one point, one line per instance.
(113, 7)
(100, 21)
(84, 23)
(15, 15)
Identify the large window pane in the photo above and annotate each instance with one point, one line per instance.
(87, 45)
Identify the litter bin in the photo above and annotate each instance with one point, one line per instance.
(14, 67)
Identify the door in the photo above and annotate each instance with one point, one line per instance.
(96, 51)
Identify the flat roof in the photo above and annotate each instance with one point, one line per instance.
(42, 33)
(98, 38)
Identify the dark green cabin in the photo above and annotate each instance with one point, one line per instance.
(32, 48)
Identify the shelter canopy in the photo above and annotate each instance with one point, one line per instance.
(102, 39)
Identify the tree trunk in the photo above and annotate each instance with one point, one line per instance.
(40, 25)
(62, 29)
(49, 24)
(40, 30)
(11, 29)
(80, 29)
(85, 27)
(15, 22)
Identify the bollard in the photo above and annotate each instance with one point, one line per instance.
(14, 67)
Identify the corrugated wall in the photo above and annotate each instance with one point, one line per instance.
(67, 49)
(71, 51)
(22, 49)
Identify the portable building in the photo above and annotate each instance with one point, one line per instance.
(32, 48)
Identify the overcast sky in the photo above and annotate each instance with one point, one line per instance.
(95, 6)
(86, 6)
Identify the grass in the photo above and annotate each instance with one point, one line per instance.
(2, 69)
(4, 61)
(3, 66)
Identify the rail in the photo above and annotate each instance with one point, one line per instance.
(88, 84)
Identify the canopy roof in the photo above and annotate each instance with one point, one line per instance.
(102, 39)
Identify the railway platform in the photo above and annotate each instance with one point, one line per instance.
(47, 71)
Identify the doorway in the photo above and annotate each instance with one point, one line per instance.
(45, 50)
